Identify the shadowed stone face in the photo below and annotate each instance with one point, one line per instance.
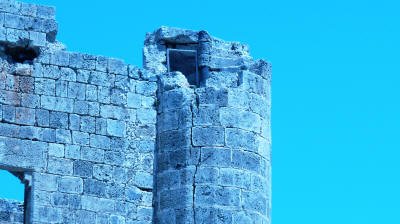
(186, 139)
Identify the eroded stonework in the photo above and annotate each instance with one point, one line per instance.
(97, 141)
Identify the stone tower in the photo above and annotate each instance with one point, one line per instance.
(185, 139)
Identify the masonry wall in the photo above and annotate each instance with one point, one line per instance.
(99, 141)
(81, 127)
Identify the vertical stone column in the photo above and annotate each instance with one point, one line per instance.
(176, 158)
(203, 55)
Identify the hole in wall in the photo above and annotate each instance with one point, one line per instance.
(20, 52)
(184, 61)
(14, 197)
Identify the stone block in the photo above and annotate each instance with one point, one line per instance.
(101, 79)
(235, 177)
(211, 95)
(76, 61)
(74, 122)
(12, 83)
(9, 130)
(99, 141)
(115, 191)
(87, 124)
(48, 135)
(259, 184)
(214, 215)
(238, 138)
(60, 166)
(80, 138)
(236, 118)
(94, 109)
(83, 216)
(114, 112)
(208, 136)
(83, 168)
(117, 66)
(76, 90)
(120, 175)
(238, 98)
(56, 150)
(114, 158)
(91, 92)
(58, 120)
(67, 74)
(92, 154)
(206, 115)
(102, 172)
(14, 35)
(101, 126)
(3, 34)
(146, 146)
(144, 180)
(63, 136)
(26, 84)
(28, 9)
(45, 182)
(60, 58)
(175, 140)
(254, 202)
(9, 98)
(104, 94)
(71, 185)
(115, 128)
(101, 63)
(259, 105)
(72, 152)
(25, 116)
(89, 62)
(246, 160)
(207, 175)
(14, 21)
(30, 132)
(134, 100)
(146, 116)
(38, 38)
(46, 12)
(133, 194)
(81, 107)
(8, 113)
(59, 200)
(218, 157)
(118, 96)
(30, 100)
(146, 88)
(61, 88)
(94, 187)
(57, 103)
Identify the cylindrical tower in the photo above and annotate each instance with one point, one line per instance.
(212, 160)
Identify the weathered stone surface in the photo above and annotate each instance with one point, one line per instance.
(107, 142)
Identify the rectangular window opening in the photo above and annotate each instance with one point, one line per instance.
(184, 61)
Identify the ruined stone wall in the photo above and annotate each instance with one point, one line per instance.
(11, 212)
(81, 127)
(98, 141)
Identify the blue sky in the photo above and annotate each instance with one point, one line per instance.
(335, 90)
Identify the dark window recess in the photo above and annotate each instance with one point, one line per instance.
(22, 53)
(184, 61)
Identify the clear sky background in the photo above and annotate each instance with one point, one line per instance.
(335, 90)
